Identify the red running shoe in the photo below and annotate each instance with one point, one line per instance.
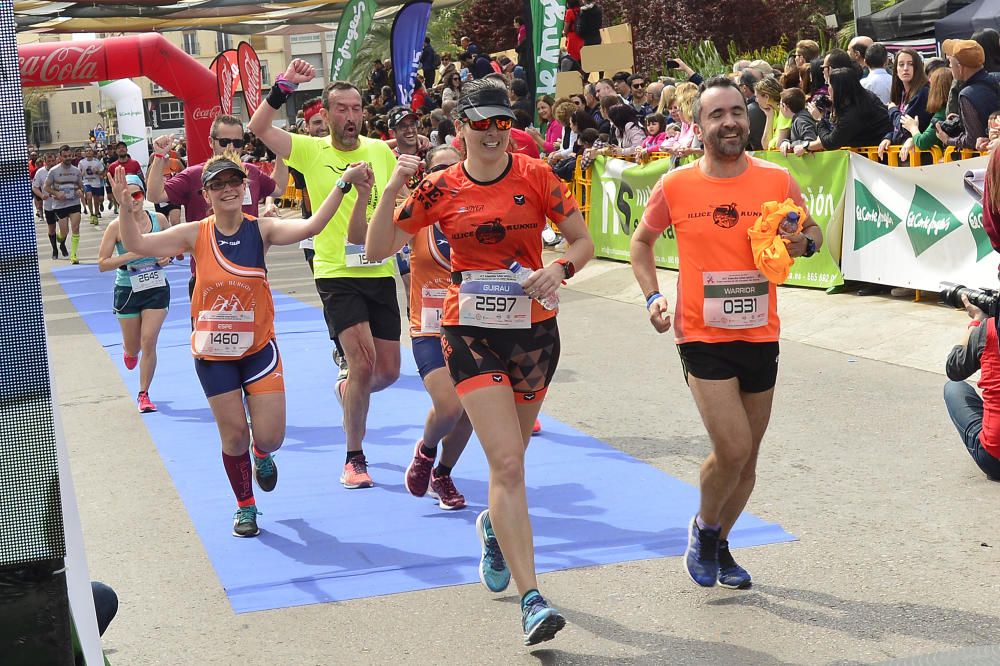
(443, 490)
(537, 427)
(418, 474)
(145, 406)
(131, 361)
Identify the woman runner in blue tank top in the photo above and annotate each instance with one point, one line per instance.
(141, 293)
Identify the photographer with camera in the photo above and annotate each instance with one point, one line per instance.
(978, 98)
(976, 418)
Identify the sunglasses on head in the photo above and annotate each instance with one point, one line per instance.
(439, 167)
(138, 195)
(219, 185)
(236, 143)
(502, 123)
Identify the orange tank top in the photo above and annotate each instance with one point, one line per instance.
(721, 296)
(430, 278)
(232, 308)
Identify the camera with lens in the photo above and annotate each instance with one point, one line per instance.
(987, 300)
(952, 127)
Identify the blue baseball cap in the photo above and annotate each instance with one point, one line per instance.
(132, 179)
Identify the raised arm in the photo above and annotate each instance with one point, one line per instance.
(279, 176)
(262, 122)
(154, 179)
(287, 232)
(166, 243)
(384, 237)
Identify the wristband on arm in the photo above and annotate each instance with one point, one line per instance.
(651, 298)
(280, 92)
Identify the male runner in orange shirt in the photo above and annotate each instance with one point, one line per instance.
(726, 320)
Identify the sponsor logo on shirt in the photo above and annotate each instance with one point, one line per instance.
(519, 199)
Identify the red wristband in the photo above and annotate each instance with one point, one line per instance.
(975, 323)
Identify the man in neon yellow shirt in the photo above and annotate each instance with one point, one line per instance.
(359, 296)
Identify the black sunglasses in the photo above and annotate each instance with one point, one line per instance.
(439, 167)
(237, 143)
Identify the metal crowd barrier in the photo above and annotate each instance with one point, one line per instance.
(581, 185)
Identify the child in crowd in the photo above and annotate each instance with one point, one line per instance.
(803, 129)
(655, 134)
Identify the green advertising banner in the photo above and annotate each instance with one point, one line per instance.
(546, 35)
(354, 23)
(620, 191)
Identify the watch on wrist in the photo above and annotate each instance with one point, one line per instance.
(343, 186)
(810, 247)
(569, 270)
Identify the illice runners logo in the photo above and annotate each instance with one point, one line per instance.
(872, 220)
(928, 221)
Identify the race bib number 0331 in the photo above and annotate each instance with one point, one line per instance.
(736, 299)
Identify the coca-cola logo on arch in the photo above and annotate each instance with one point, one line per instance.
(69, 63)
(202, 113)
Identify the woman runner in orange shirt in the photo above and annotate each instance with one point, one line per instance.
(500, 344)
(233, 340)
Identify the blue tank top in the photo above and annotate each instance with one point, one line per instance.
(121, 275)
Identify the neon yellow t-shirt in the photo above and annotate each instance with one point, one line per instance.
(322, 165)
(780, 123)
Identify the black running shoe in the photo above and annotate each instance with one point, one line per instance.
(265, 471)
(245, 521)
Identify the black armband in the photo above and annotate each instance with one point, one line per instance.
(277, 97)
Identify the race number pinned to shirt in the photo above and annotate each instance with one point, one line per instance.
(223, 332)
(493, 299)
(354, 257)
(431, 309)
(735, 299)
(146, 276)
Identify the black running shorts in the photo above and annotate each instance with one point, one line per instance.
(62, 213)
(754, 364)
(349, 301)
(524, 359)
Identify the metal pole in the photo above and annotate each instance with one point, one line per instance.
(862, 8)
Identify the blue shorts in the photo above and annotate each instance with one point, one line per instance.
(427, 353)
(260, 372)
(94, 189)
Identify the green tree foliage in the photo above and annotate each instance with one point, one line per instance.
(489, 24)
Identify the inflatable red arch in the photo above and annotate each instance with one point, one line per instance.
(150, 55)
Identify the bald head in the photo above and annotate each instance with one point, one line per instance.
(857, 48)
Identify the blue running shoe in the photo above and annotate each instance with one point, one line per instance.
(731, 575)
(493, 571)
(701, 560)
(541, 622)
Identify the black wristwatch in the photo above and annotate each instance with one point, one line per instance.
(344, 186)
(810, 247)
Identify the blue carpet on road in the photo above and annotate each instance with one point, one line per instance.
(590, 503)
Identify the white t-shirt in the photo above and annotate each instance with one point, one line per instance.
(48, 202)
(91, 170)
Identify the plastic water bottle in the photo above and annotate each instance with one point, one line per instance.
(790, 225)
(521, 274)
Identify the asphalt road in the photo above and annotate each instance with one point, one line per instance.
(896, 558)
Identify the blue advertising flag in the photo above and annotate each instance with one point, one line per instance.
(406, 42)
